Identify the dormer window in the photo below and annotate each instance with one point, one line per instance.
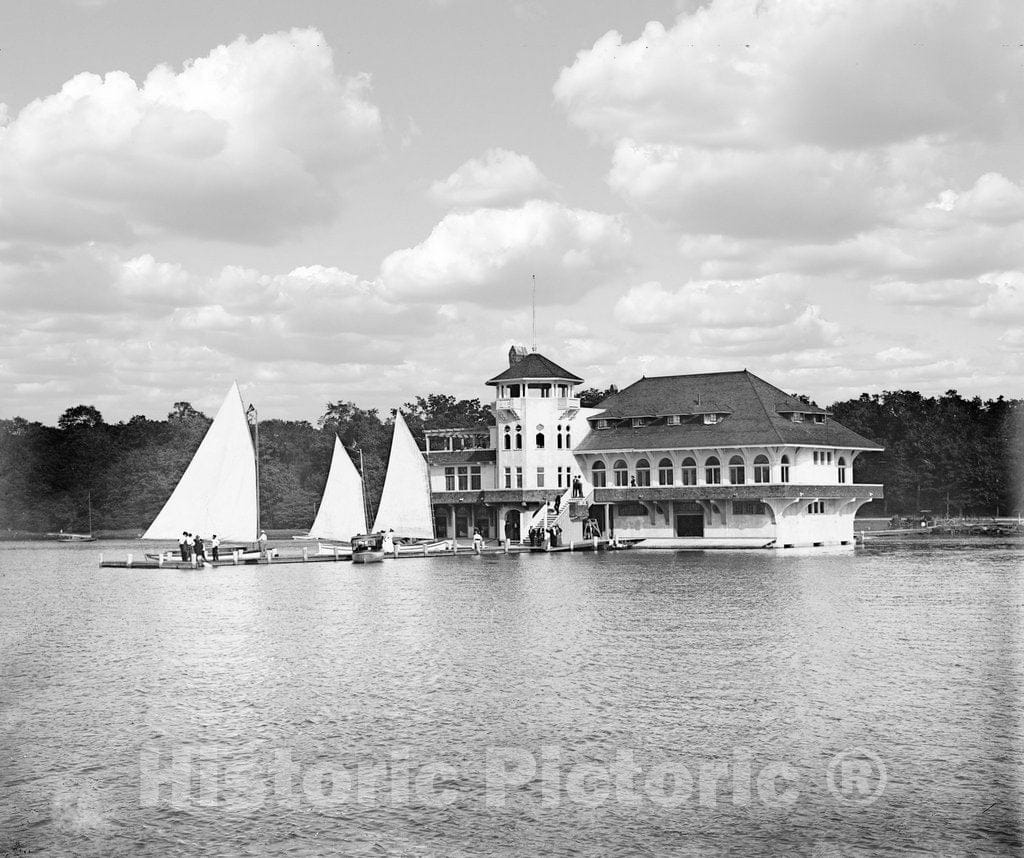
(601, 423)
(819, 418)
(711, 418)
(673, 420)
(638, 422)
(797, 417)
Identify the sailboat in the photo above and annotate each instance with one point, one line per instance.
(62, 536)
(404, 511)
(342, 511)
(219, 491)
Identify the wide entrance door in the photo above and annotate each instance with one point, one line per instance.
(512, 525)
(689, 519)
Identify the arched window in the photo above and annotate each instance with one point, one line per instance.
(597, 475)
(688, 472)
(784, 470)
(519, 437)
(621, 472)
(568, 441)
(558, 437)
(762, 470)
(643, 473)
(712, 471)
(737, 473)
(665, 472)
(540, 440)
(508, 438)
(842, 469)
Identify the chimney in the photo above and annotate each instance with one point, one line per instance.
(516, 354)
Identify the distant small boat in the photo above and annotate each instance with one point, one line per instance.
(61, 536)
(367, 548)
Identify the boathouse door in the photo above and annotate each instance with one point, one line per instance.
(512, 530)
(689, 519)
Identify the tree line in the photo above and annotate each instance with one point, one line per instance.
(947, 452)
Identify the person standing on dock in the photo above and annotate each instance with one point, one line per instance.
(215, 547)
(263, 543)
(183, 546)
(200, 549)
(188, 547)
(478, 541)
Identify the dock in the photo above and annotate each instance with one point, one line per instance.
(131, 561)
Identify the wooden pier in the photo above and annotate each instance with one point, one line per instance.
(132, 561)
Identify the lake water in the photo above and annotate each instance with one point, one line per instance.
(614, 704)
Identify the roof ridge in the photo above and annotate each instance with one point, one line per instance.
(764, 407)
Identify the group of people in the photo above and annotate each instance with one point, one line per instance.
(192, 546)
(538, 536)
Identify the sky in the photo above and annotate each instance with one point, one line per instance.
(335, 200)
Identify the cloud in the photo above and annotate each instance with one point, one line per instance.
(936, 293)
(1005, 301)
(838, 74)
(488, 256)
(500, 178)
(248, 143)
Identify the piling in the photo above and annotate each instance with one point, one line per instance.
(128, 562)
(305, 554)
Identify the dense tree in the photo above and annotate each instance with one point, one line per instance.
(942, 452)
(591, 397)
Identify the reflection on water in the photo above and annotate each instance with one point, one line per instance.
(675, 703)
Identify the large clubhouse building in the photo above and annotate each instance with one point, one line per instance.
(720, 459)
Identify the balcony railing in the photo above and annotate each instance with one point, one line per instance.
(567, 402)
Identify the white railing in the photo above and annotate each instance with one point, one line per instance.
(568, 402)
(508, 404)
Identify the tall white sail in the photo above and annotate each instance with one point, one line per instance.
(217, 492)
(405, 502)
(342, 514)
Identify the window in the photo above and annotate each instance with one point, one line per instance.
(762, 470)
(816, 507)
(598, 476)
(737, 472)
(513, 391)
(540, 440)
(449, 479)
(638, 422)
(621, 473)
(558, 437)
(712, 471)
(474, 477)
(673, 420)
(665, 472)
(519, 477)
(463, 478)
(710, 418)
(508, 438)
(568, 442)
(828, 457)
(819, 418)
(747, 507)
(842, 469)
(508, 478)
(540, 478)
(784, 470)
(601, 424)
(816, 454)
(519, 437)
(797, 417)
(643, 473)
(688, 472)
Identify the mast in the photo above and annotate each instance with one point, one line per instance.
(88, 498)
(256, 423)
(362, 482)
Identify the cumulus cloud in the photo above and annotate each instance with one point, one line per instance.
(488, 255)
(759, 317)
(246, 143)
(500, 178)
(836, 74)
(1005, 302)
(934, 293)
